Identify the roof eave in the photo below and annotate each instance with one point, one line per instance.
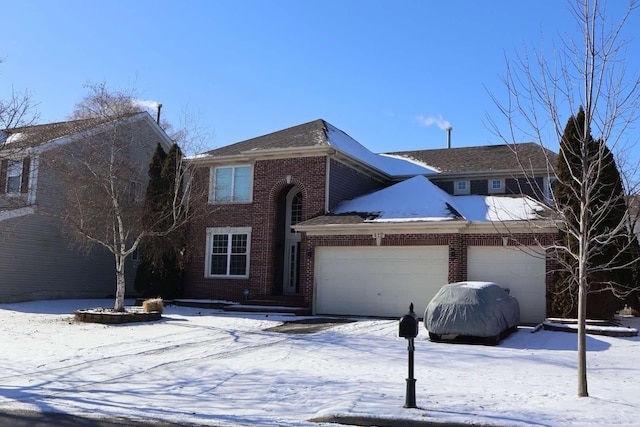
(426, 227)
(268, 154)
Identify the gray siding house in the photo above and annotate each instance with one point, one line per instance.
(37, 261)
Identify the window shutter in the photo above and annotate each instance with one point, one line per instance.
(24, 185)
(4, 164)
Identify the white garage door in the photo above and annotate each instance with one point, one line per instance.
(378, 281)
(517, 269)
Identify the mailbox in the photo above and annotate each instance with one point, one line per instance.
(409, 324)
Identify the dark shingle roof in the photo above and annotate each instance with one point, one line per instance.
(304, 135)
(33, 136)
(485, 158)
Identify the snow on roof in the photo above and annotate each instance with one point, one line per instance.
(497, 208)
(16, 137)
(411, 160)
(418, 199)
(392, 165)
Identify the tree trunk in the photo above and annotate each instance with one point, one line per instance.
(120, 283)
(582, 340)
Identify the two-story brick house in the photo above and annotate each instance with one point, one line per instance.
(281, 221)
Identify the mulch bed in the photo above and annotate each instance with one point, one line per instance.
(111, 317)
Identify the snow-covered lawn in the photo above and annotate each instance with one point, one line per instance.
(215, 368)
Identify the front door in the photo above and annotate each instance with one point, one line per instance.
(291, 268)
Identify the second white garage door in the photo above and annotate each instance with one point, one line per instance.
(378, 281)
(521, 270)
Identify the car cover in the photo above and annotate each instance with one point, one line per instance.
(478, 309)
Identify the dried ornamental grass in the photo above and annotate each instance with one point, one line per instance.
(153, 304)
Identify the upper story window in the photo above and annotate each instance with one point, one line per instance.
(228, 252)
(231, 184)
(496, 185)
(461, 187)
(14, 176)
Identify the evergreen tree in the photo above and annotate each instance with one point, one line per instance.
(162, 257)
(610, 266)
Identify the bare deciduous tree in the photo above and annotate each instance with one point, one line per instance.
(105, 177)
(543, 91)
(17, 111)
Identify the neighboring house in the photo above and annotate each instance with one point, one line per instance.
(36, 260)
(308, 212)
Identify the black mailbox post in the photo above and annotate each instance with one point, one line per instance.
(409, 330)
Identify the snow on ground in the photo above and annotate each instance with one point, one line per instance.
(214, 368)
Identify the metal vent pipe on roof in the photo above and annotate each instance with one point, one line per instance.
(449, 136)
(158, 113)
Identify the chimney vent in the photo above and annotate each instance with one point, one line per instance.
(449, 136)
(158, 113)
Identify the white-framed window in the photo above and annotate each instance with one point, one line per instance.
(14, 176)
(231, 184)
(496, 185)
(461, 187)
(227, 252)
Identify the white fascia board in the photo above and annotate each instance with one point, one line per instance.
(164, 138)
(507, 227)
(416, 227)
(254, 155)
(16, 213)
(430, 227)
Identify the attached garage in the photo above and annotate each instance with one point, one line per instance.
(520, 269)
(377, 280)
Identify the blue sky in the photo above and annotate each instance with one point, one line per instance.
(247, 67)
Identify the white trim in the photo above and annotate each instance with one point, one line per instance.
(458, 191)
(493, 190)
(33, 179)
(211, 231)
(430, 227)
(16, 213)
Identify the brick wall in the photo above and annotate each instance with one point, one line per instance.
(269, 180)
(347, 183)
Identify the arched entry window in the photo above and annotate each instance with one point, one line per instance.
(291, 268)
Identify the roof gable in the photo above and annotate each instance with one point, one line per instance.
(305, 135)
(21, 138)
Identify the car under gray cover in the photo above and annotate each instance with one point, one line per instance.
(471, 312)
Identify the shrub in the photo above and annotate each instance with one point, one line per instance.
(153, 304)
